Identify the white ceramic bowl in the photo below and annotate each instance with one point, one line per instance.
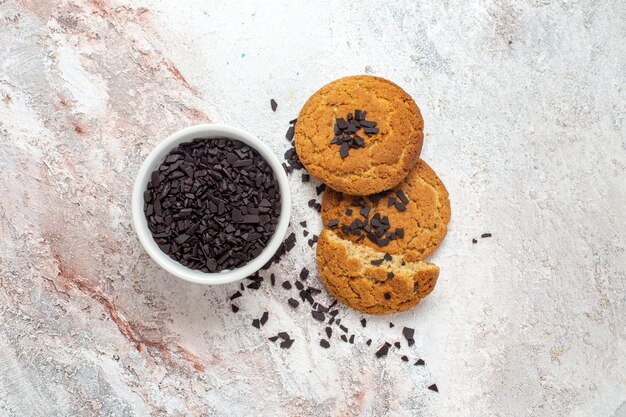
(152, 162)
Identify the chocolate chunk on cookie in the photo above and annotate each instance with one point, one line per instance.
(360, 135)
(415, 214)
(392, 286)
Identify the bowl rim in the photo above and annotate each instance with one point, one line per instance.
(155, 158)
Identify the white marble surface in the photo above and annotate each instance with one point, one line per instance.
(524, 106)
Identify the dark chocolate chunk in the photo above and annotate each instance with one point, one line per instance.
(273, 338)
(344, 337)
(382, 351)
(363, 322)
(400, 206)
(474, 241)
(293, 302)
(484, 235)
(273, 104)
(333, 223)
(304, 274)
(404, 358)
(234, 308)
(341, 122)
(318, 315)
(324, 343)
(387, 257)
(387, 296)
(344, 150)
(286, 285)
(367, 123)
(303, 224)
(419, 362)
(433, 387)
(390, 275)
(283, 335)
(299, 285)
(408, 333)
(264, 318)
(377, 262)
(235, 295)
(342, 327)
(273, 279)
(290, 133)
(351, 340)
(329, 331)
(411, 342)
(287, 344)
(397, 345)
(256, 323)
(391, 324)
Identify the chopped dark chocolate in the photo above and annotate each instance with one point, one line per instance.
(273, 338)
(304, 274)
(273, 104)
(213, 204)
(287, 344)
(433, 387)
(387, 296)
(329, 331)
(484, 235)
(256, 323)
(235, 295)
(293, 302)
(390, 275)
(382, 351)
(404, 358)
(234, 308)
(324, 343)
(397, 345)
(351, 340)
(264, 318)
(286, 285)
(391, 324)
(363, 322)
(474, 241)
(369, 342)
(318, 315)
(408, 333)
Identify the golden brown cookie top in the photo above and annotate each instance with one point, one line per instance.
(422, 218)
(387, 156)
(363, 279)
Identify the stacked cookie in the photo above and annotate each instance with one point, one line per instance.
(385, 210)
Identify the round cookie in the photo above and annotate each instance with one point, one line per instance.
(385, 287)
(424, 222)
(386, 157)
